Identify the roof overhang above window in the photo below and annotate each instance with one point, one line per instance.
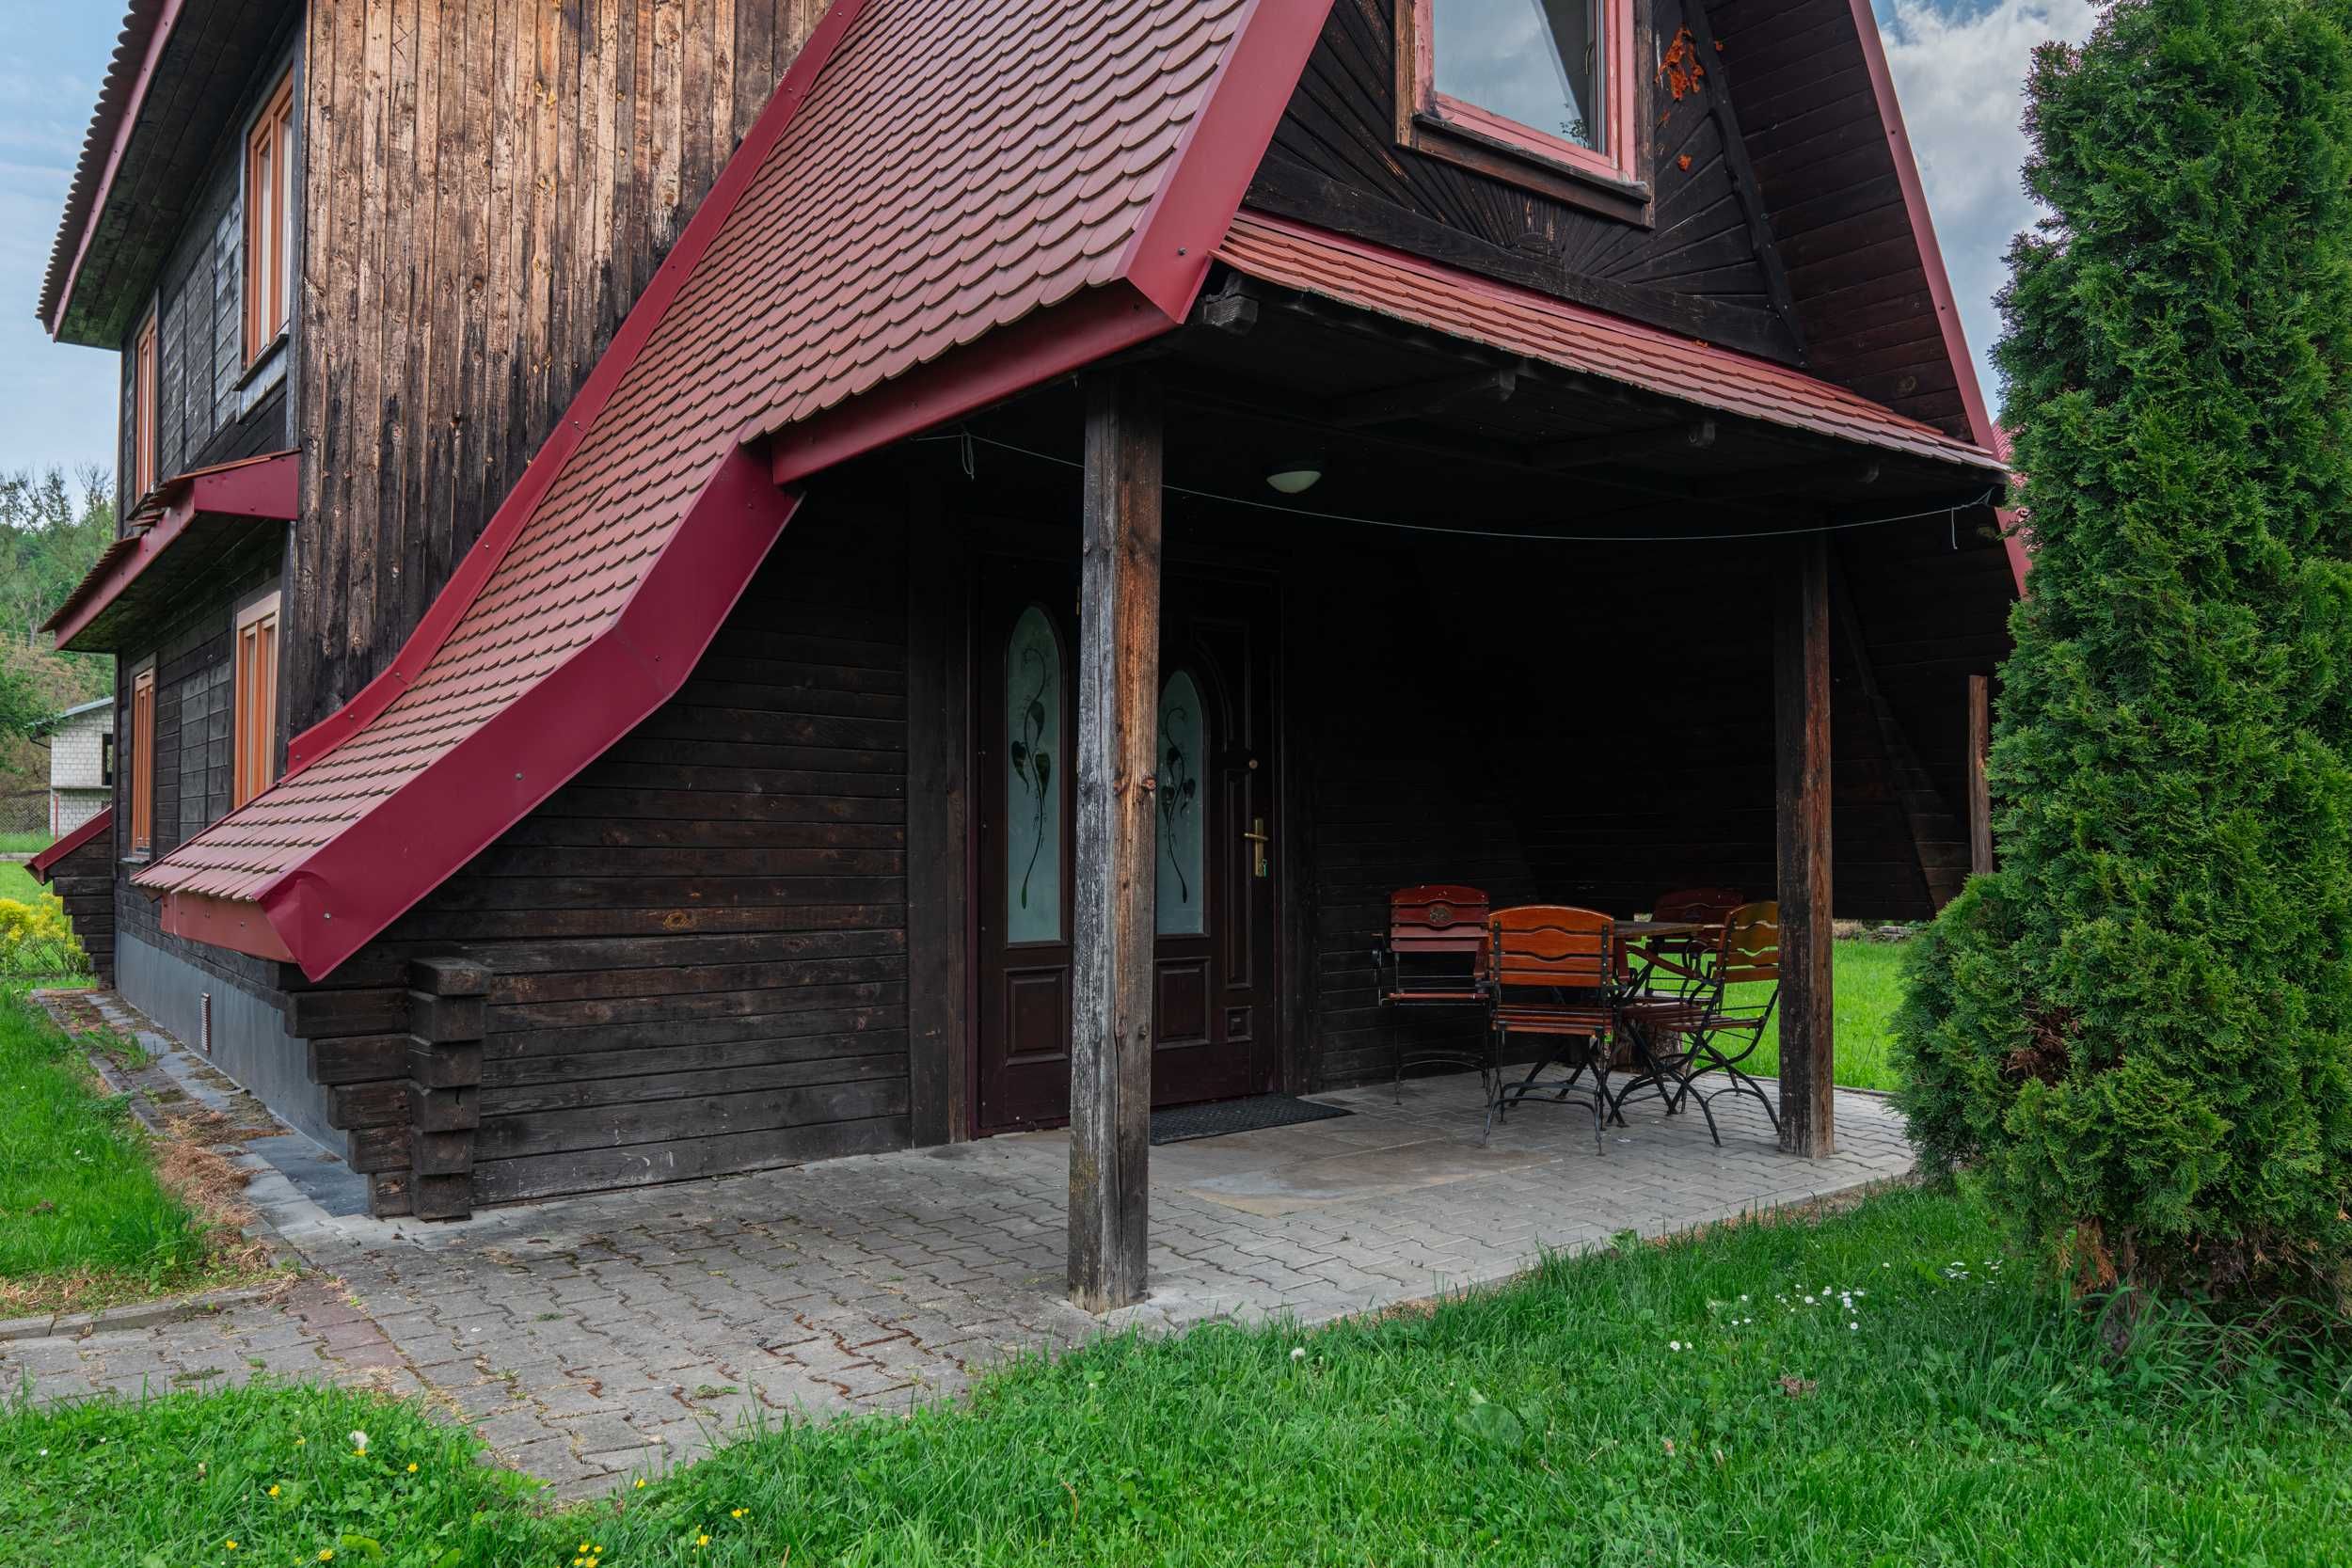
(182, 71)
(179, 531)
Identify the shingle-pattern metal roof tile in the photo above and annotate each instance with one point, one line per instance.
(954, 169)
(1539, 326)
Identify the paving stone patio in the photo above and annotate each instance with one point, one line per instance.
(590, 1338)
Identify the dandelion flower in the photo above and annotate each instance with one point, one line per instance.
(273, 1491)
(641, 1483)
(230, 1544)
(360, 1441)
(703, 1540)
(326, 1554)
(1298, 1353)
(412, 1466)
(736, 1514)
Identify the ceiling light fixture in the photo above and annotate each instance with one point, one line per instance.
(1295, 475)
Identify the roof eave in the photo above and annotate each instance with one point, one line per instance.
(82, 211)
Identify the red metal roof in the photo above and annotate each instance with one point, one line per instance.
(168, 526)
(146, 28)
(1031, 184)
(1539, 326)
(40, 866)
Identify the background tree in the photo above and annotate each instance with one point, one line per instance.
(2139, 1029)
(53, 528)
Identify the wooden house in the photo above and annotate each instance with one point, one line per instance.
(713, 583)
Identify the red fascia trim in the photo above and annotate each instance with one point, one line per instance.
(1169, 256)
(229, 923)
(450, 605)
(1087, 327)
(123, 128)
(344, 893)
(1930, 254)
(271, 487)
(40, 864)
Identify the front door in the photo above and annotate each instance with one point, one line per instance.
(1215, 1016)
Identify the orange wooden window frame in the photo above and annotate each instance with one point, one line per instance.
(144, 388)
(143, 762)
(268, 222)
(254, 712)
(1614, 162)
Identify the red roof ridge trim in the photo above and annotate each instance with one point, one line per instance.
(1165, 262)
(319, 912)
(46, 861)
(1538, 326)
(506, 525)
(263, 486)
(86, 202)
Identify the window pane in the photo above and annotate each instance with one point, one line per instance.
(1535, 61)
(1181, 897)
(1033, 775)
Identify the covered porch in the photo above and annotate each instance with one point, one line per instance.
(1574, 611)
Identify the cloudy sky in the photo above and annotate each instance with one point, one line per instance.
(1957, 65)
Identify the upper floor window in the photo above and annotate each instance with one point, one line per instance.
(143, 760)
(269, 217)
(1548, 80)
(144, 388)
(253, 725)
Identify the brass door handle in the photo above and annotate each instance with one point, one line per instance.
(1260, 839)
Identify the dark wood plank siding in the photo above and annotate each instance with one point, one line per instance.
(1797, 75)
(488, 190)
(83, 883)
(698, 946)
(208, 408)
(1695, 268)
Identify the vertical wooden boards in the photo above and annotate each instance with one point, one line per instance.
(938, 820)
(1800, 706)
(1119, 656)
(488, 189)
(1980, 794)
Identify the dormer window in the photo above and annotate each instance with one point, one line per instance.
(269, 208)
(1535, 90)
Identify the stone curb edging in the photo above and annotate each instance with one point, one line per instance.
(145, 1314)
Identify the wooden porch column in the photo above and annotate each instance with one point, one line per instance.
(1980, 793)
(1119, 663)
(1802, 756)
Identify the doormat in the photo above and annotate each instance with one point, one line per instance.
(1187, 1122)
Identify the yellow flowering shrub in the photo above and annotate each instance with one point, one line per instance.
(36, 938)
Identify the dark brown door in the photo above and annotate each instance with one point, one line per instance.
(1216, 1011)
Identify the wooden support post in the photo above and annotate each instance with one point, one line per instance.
(1980, 794)
(1119, 660)
(449, 1004)
(1801, 711)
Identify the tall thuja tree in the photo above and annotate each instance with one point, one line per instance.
(2138, 1031)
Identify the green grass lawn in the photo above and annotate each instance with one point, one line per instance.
(83, 1219)
(24, 844)
(1879, 1390)
(1867, 978)
(18, 883)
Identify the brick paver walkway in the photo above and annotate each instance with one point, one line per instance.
(589, 1337)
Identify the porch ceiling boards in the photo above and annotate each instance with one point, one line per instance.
(882, 252)
(1556, 332)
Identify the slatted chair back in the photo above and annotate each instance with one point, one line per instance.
(1752, 944)
(1683, 963)
(1437, 918)
(1435, 949)
(1553, 945)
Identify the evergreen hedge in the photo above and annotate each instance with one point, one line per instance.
(2139, 1030)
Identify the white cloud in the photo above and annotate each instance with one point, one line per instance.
(1960, 71)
